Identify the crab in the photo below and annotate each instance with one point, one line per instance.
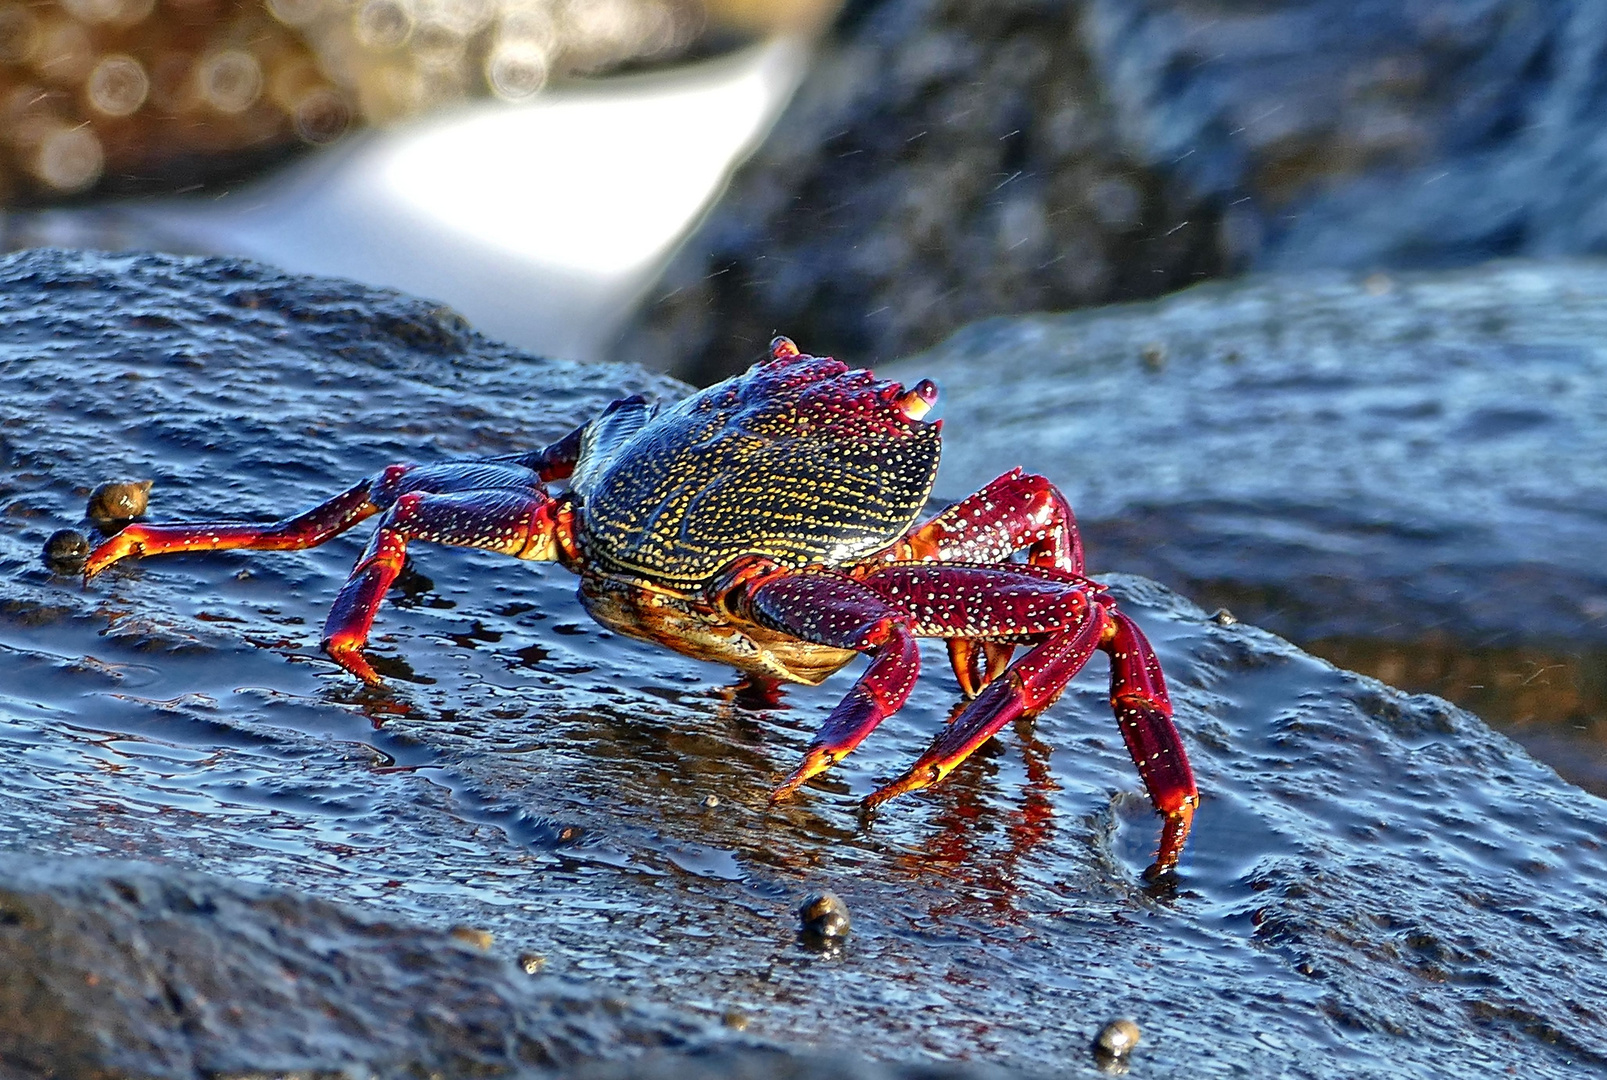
(768, 522)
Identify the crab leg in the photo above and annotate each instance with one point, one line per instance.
(1144, 713)
(1014, 512)
(1031, 685)
(514, 522)
(322, 522)
(307, 529)
(977, 663)
(556, 461)
(1070, 620)
(834, 610)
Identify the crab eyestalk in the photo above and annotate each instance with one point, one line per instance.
(918, 401)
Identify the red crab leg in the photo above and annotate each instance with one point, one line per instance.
(312, 527)
(1144, 712)
(1014, 512)
(1073, 620)
(833, 610)
(1031, 685)
(977, 663)
(307, 529)
(528, 524)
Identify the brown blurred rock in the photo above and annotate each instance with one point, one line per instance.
(140, 95)
(118, 93)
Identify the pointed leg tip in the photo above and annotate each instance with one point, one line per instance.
(352, 660)
(816, 761)
(1175, 828)
(1161, 880)
(101, 559)
(914, 780)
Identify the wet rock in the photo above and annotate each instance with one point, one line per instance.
(1376, 884)
(115, 503)
(1403, 134)
(127, 969)
(1333, 134)
(1324, 458)
(762, 1065)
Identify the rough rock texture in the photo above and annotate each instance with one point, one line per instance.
(1377, 884)
(1330, 454)
(125, 969)
(948, 160)
(761, 1065)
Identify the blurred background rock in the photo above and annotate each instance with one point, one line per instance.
(947, 160)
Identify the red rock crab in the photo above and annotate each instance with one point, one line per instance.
(768, 522)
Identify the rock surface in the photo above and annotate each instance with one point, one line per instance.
(950, 160)
(1328, 454)
(125, 969)
(1377, 883)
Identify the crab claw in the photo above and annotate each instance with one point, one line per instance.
(913, 780)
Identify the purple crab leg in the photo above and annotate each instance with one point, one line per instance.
(1014, 512)
(833, 610)
(525, 524)
(334, 516)
(1070, 618)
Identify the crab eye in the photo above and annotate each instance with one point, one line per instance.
(918, 401)
(782, 348)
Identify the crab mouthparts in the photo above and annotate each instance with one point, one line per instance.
(918, 401)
